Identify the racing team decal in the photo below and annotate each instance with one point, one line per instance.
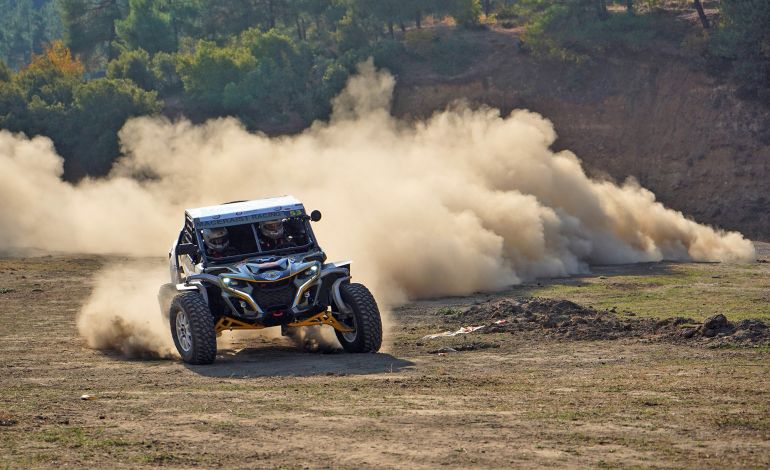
(217, 220)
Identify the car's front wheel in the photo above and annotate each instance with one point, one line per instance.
(364, 319)
(192, 328)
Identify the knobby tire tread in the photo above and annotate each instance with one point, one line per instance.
(202, 326)
(368, 322)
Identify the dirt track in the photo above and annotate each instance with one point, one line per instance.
(526, 401)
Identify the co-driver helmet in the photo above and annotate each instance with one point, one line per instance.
(216, 238)
(272, 229)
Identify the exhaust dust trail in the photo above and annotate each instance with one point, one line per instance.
(465, 201)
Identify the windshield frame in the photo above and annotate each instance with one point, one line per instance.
(311, 245)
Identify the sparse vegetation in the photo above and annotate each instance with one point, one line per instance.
(569, 402)
(667, 290)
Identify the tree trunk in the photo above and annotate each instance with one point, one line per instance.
(390, 29)
(701, 14)
(630, 7)
(299, 27)
(487, 7)
(402, 26)
(418, 19)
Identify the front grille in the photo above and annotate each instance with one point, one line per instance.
(271, 296)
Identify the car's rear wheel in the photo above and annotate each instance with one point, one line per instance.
(364, 319)
(192, 328)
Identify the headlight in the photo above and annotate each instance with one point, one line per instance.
(232, 283)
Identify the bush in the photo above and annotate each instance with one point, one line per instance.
(334, 78)
(82, 119)
(5, 72)
(133, 65)
(278, 87)
(573, 32)
(466, 12)
(744, 39)
(350, 35)
(14, 115)
(507, 12)
(206, 72)
(388, 54)
(146, 27)
(167, 80)
(51, 75)
(101, 107)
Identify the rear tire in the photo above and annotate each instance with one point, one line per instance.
(365, 319)
(192, 328)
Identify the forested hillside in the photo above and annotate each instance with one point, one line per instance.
(75, 70)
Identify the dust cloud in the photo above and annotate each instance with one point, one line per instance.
(122, 312)
(316, 339)
(465, 201)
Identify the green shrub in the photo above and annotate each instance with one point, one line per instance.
(101, 107)
(506, 12)
(573, 32)
(206, 72)
(82, 118)
(133, 65)
(743, 38)
(466, 12)
(388, 54)
(5, 72)
(167, 79)
(350, 34)
(146, 27)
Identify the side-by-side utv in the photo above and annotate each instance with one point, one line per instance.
(257, 264)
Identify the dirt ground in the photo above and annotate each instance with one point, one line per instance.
(496, 398)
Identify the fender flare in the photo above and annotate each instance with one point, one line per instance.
(168, 291)
(344, 308)
(196, 282)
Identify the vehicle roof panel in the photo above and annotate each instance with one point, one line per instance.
(244, 212)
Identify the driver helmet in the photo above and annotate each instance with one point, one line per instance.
(216, 238)
(272, 229)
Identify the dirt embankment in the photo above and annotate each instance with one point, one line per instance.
(563, 319)
(656, 117)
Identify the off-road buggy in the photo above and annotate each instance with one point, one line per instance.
(258, 283)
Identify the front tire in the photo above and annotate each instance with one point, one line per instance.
(192, 328)
(364, 319)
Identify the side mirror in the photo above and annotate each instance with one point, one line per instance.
(315, 216)
(186, 249)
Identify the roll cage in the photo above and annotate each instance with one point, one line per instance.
(243, 227)
(192, 235)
